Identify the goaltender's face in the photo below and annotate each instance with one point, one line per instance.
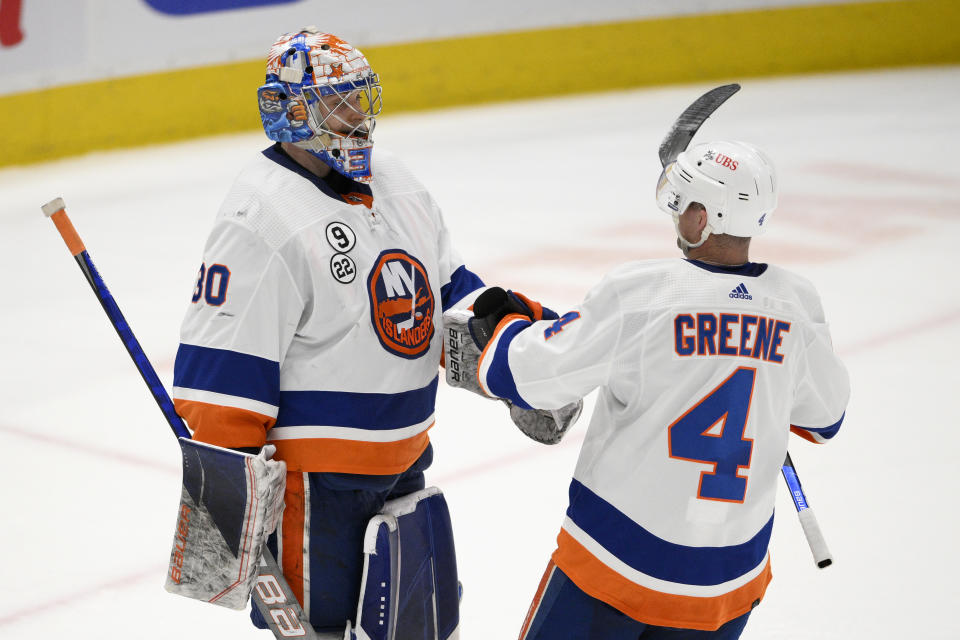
(344, 113)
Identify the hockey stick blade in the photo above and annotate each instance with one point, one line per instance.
(272, 595)
(808, 521)
(689, 122)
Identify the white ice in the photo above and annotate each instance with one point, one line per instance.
(542, 196)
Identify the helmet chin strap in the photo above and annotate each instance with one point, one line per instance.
(686, 245)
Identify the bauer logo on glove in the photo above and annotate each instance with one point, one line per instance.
(461, 354)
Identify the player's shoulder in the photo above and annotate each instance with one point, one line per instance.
(635, 282)
(796, 287)
(649, 271)
(392, 176)
(273, 202)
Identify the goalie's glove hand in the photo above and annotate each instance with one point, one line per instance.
(461, 354)
(468, 333)
(546, 426)
(492, 306)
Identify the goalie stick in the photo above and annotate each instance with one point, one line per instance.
(674, 143)
(811, 529)
(271, 595)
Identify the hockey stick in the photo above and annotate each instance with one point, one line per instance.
(811, 529)
(687, 125)
(272, 595)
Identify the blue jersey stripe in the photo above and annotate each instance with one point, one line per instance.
(462, 282)
(499, 378)
(227, 372)
(657, 557)
(824, 432)
(378, 411)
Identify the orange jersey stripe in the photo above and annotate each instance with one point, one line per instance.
(224, 426)
(291, 561)
(804, 434)
(654, 607)
(351, 456)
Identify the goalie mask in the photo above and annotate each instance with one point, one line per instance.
(734, 181)
(321, 95)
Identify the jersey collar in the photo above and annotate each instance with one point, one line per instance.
(335, 185)
(748, 269)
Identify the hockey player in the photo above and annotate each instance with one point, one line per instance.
(314, 323)
(704, 365)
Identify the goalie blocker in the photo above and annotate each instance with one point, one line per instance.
(231, 502)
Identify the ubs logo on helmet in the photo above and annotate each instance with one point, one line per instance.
(401, 304)
(726, 161)
(721, 159)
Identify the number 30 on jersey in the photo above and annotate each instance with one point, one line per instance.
(212, 284)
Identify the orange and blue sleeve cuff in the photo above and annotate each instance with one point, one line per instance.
(494, 372)
(818, 435)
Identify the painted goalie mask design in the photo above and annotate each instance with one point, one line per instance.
(321, 95)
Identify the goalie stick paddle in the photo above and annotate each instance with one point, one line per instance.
(271, 594)
(687, 125)
(808, 521)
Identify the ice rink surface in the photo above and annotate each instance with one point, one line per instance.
(544, 197)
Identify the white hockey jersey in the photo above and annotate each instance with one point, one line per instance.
(702, 371)
(314, 324)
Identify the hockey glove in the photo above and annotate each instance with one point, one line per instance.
(537, 310)
(546, 426)
(461, 354)
(492, 306)
(468, 333)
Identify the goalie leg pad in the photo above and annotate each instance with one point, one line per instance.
(230, 502)
(410, 587)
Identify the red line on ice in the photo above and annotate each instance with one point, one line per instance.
(81, 594)
(76, 446)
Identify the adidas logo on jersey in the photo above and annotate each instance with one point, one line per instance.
(741, 292)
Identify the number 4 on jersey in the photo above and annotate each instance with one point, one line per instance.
(711, 432)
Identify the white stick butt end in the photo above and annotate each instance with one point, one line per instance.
(53, 206)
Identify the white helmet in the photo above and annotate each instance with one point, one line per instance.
(734, 181)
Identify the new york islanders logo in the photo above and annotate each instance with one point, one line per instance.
(401, 303)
